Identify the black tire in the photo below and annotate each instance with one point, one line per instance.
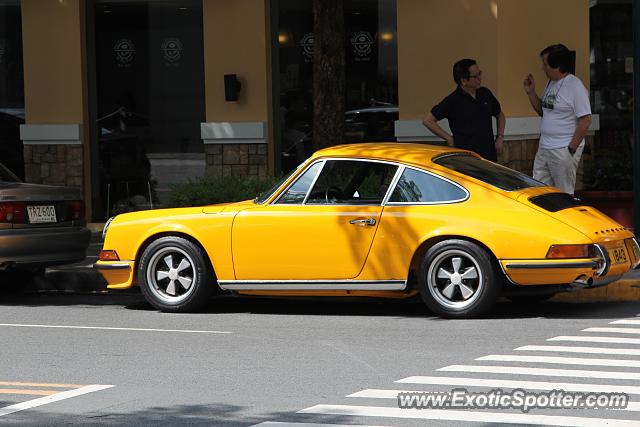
(444, 287)
(175, 276)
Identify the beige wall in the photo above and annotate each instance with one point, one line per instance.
(235, 42)
(504, 36)
(53, 61)
(526, 27)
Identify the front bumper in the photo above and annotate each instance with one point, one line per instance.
(43, 246)
(118, 274)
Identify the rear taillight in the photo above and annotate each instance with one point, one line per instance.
(75, 210)
(13, 212)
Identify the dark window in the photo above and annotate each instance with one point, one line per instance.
(296, 193)
(420, 187)
(488, 172)
(351, 182)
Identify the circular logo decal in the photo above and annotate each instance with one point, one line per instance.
(171, 49)
(124, 50)
(362, 43)
(307, 45)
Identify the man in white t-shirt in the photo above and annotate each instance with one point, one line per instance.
(566, 117)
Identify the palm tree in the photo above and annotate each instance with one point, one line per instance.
(328, 73)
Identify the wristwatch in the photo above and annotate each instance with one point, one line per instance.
(571, 150)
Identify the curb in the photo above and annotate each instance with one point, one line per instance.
(620, 290)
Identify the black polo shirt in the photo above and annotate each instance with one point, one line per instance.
(470, 120)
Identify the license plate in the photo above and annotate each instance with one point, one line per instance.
(618, 255)
(41, 214)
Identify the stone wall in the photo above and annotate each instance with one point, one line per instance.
(248, 160)
(54, 164)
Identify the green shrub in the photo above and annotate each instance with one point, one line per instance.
(211, 190)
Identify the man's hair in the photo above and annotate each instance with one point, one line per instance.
(559, 56)
(461, 69)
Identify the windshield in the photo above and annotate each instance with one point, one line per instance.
(266, 194)
(6, 175)
(488, 172)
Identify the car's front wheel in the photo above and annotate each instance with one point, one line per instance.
(174, 275)
(458, 279)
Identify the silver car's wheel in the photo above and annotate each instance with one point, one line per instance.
(458, 278)
(455, 279)
(170, 275)
(174, 275)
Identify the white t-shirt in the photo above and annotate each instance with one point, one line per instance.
(563, 102)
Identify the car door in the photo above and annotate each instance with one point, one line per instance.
(320, 228)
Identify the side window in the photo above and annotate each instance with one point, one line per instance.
(349, 182)
(295, 194)
(420, 187)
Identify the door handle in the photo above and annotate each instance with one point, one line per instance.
(363, 222)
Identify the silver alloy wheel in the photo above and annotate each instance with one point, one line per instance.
(170, 275)
(455, 279)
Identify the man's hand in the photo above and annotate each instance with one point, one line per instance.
(499, 144)
(450, 141)
(529, 84)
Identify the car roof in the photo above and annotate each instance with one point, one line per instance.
(414, 153)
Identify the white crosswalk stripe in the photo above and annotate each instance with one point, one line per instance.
(469, 416)
(609, 340)
(561, 360)
(514, 370)
(634, 331)
(486, 375)
(590, 350)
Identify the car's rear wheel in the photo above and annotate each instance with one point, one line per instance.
(458, 279)
(174, 275)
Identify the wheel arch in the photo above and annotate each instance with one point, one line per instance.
(422, 249)
(150, 239)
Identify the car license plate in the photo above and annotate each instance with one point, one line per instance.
(618, 255)
(41, 214)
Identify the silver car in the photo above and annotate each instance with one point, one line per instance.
(40, 226)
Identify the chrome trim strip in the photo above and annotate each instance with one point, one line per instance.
(584, 264)
(604, 254)
(634, 241)
(111, 266)
(315, 285)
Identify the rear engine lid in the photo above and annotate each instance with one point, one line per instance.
(575, 213)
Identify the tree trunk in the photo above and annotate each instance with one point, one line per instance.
(328, 73)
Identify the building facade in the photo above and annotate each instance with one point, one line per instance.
(125, 98)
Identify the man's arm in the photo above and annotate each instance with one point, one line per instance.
(431, 123)
(501, 121)
(581, 130)
(530, 89)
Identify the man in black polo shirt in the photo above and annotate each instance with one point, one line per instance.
(469, 109)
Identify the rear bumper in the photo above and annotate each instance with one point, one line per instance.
(43, 246)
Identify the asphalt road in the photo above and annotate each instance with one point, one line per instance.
(72, 358)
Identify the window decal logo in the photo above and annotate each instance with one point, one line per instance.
(124, 50)
(172, 50)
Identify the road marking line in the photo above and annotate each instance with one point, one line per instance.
(24, 384)
(614, 330)
(285, 424)
(484, 382)
(577, 373)
(27, 391)
(610, 340)
(625, 322)
(562, 360)
(53, 398)
(568, 349)
(471, 416)
(113, 329)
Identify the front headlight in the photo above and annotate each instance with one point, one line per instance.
(106, 227)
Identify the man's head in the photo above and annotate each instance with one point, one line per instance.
(466, 73)
(557, 60)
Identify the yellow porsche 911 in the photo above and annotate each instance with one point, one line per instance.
(383, 220)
